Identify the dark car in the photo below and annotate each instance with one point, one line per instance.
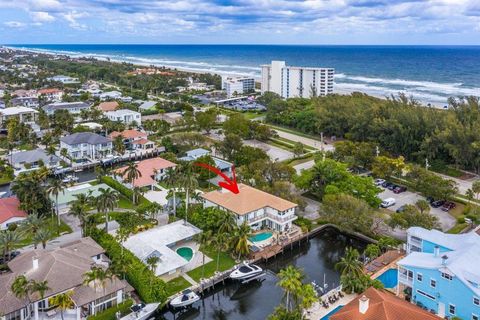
(386, 184)
(401, 209)
(437, 203)
(448, 205)
(399, 189)
(392, 187)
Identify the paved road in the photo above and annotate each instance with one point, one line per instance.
(275, 153)
(463, 185)
(304, 166)
(446, 220)
(306, 141)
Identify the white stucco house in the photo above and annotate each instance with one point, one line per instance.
(86, 145)
(125, 116)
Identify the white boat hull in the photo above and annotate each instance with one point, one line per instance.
(143, 314)
(180, 302)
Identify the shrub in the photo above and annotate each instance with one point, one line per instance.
(148, 286)
(109, 314)
(109, 181)
(305, 224)
(461, 219)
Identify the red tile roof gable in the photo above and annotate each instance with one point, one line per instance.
(9, 208)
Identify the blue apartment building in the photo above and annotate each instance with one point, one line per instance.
(441, 272)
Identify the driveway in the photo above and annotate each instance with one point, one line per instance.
(444, 218)
(275, 153)
(303, 166)
(306, 141)
(311, 209)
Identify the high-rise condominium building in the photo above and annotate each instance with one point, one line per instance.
(291, 82)
(234, 86)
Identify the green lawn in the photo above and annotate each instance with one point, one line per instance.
(51, 225)
(176, 285)
(226, 262)
(125, 203)
(457, 228)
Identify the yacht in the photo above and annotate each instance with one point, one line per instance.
(246, 271)
(185, 299)
(141, 311)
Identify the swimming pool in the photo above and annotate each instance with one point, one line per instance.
(389, 278)
(260, 237)
(331, 313)
(185, 252)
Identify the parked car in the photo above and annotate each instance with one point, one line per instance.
(379, 182)
(388, 202)
(401, 209)
(386, 184)
(448, 205)
(399, 189)
(437, 203)
(392, 187)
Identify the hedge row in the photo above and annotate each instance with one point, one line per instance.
(109, 314)
(148, 286)
(109, 181)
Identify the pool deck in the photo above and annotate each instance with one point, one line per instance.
(317, 311)
(386, 261)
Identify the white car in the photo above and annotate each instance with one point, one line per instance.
(388, 202)
(379, 182)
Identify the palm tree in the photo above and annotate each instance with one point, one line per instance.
(63, 301)
(118, 145)
(137, 192)
(33, 223)
(9, 240)
(106, 201)
(41, 287)
(204, 239)
(350, 264)
(20, 287)
(152, 263)
(97, 275)
(79, 211)
(42, 236)
(240, 239)
(55, 186)
(171, 179)
(122, 235)
(220, 242)
(131, 173)
(153, 209)
(291, 283)
(227, 222)
(189, 182)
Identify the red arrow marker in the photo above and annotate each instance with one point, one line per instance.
(228, 184)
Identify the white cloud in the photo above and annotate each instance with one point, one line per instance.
(15, 24)
(42, 16)
(72, 17)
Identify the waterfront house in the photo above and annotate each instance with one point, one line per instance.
(258, 208)
(68, 195)
(32, 159)
(222, 165)
(147, 105)
(376, 304)
(152, 170)
(163, 242)
(125, 116)
(440, 272)
(51, 94)
(108, 106)
(63, 269)
(110, 95)
(10, 213)
(23, 114)
(86, 145)
(134, 139)
(71, 107)
(28, 102)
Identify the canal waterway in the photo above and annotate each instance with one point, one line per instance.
(257, 299)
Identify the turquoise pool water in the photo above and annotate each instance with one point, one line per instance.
(389, 278)
(261, 236)
(185, 252)
(331, 313)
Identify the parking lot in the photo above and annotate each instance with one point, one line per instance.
(446, 220)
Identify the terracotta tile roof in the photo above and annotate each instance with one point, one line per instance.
(147, 168)
(128, 134)
(49, 91)
(141, 141)
(9, 209)
(382, 305)
(247, 200)
(108, 106)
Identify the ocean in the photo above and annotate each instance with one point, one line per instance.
(430, 74)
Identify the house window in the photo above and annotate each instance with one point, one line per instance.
(476, 301)
(474, 317)
(451, 309)
(433, 283)
(419, 277)
(447, 276)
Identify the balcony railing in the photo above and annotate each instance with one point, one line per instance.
(403, 278)
(278, 218)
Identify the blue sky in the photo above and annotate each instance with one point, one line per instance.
(241, 21)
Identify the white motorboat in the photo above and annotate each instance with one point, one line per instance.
(70, 179)
(141, 311)
(185, 299)
(246, 271)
